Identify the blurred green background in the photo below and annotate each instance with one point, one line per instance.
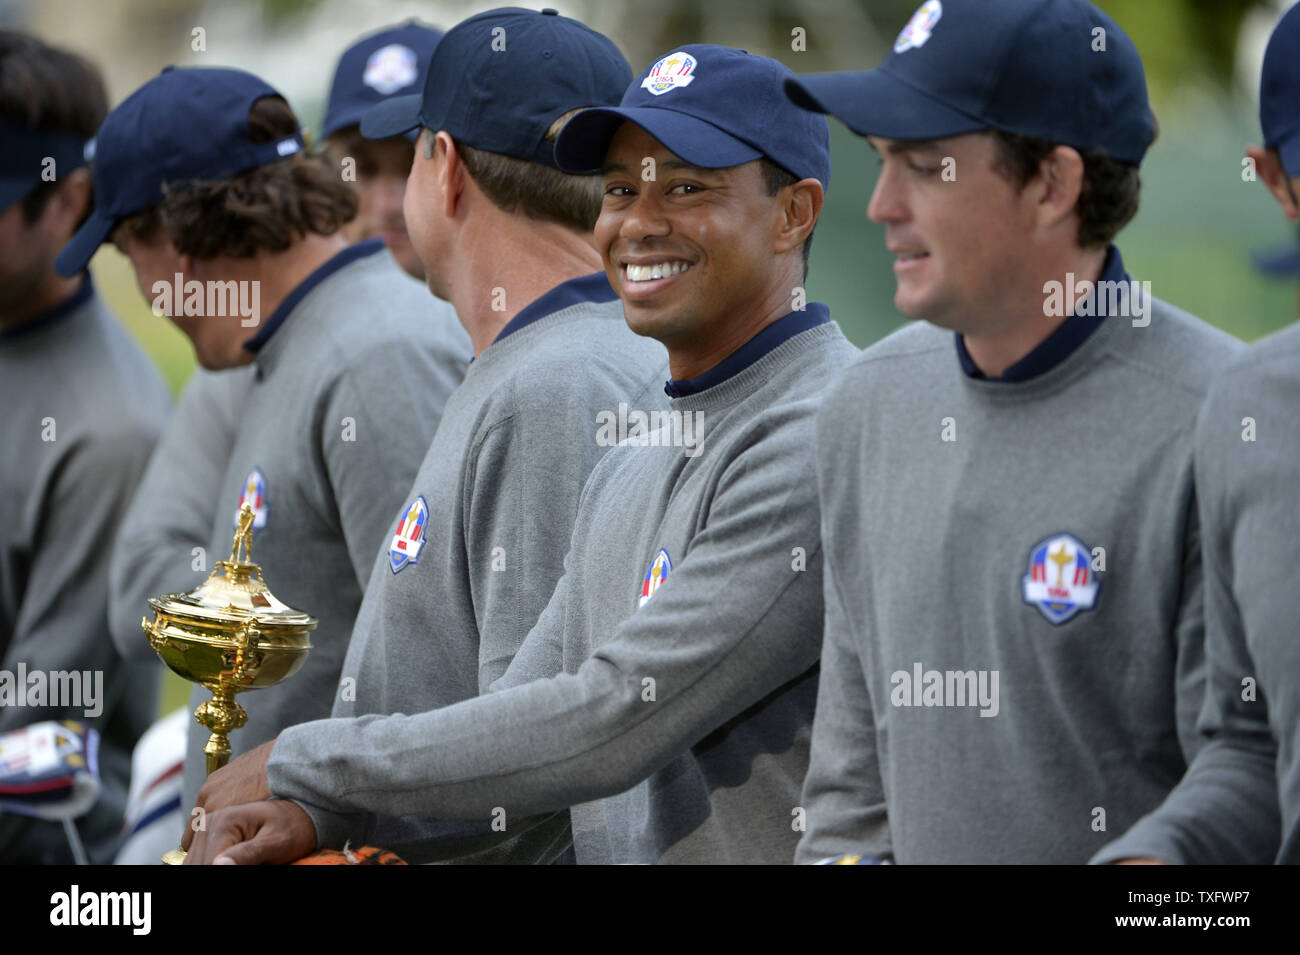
(1192, 239)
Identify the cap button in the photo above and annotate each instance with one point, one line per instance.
(548, 12)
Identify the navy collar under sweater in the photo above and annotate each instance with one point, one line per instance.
(774, 335)
(282, 311)
(52, 316)
(1059, 345)
(587, 288)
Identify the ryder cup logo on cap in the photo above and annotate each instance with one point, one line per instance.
(391, 68)
(1060, 581)
(737, 112)
(1028, 68)
(669, 73)
(920, 27)
(499, 80)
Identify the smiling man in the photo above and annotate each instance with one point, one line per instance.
(666, 692)
(1013, 655)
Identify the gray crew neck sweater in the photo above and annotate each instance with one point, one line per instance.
(1013, 658)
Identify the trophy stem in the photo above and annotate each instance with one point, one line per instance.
(221, 714)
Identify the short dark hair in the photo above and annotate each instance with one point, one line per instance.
(44, 86)
(265, 209)
(1111, 189)
(776, 178)
(537, 191)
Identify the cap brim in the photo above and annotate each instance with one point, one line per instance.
(353, 117)
(76, 255)
(392, 117)
(585, 139)
(875, 103)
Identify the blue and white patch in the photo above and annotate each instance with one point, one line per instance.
(920, 28)
(255, 496)
(408, 541)
(659, 570)
(669, 73)
(391, 68)
(1059, 580)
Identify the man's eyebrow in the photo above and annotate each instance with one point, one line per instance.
(610, 167)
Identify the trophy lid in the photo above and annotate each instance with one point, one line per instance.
(235, 594)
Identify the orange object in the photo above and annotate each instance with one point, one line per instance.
(366, 855)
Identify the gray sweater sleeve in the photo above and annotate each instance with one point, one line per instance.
(174, 509)
(62, 619)
(842, 793)
(723, 632)
(364, 438)
(1225, 810)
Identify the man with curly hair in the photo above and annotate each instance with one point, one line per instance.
(201, 179)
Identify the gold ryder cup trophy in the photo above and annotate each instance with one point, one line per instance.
(229, 634)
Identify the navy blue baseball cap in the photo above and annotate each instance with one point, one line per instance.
(33, 155)
(391, 62)
(1279, 92)
(184, 124)
(498, 80)
(1059, 70)
(714, 106)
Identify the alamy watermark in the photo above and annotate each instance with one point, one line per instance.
(922, 687)
(1129, 299)
(672, 429)
(211, 298)
(61, 689)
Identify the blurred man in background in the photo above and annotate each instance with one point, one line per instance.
(202, 182)
(83, 407)
(1240, 800)
(391, 62)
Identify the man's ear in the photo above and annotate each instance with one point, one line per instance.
(71, 201)
(800, 207)
(1268, 166)
(1058, 186)
(451, 175)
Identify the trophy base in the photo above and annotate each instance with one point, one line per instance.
(174, 857)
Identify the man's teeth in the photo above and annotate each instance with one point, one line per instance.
(660, 270)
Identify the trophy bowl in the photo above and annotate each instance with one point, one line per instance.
(228, 635)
